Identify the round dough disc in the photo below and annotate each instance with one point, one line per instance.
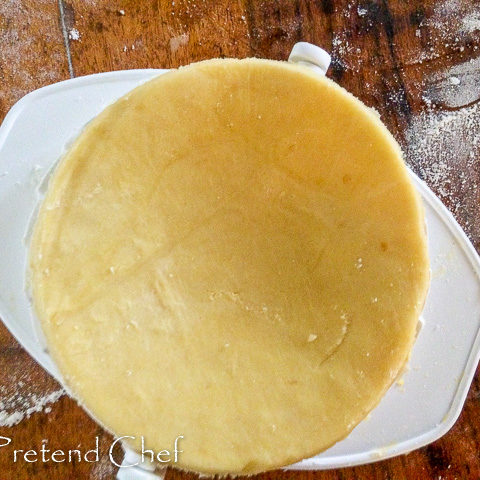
(232, 252)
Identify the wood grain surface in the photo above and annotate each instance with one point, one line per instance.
(394, 55)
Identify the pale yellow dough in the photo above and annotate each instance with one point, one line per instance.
(233, 252)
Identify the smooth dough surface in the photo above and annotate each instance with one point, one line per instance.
(233, 252)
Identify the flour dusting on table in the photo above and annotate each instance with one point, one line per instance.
(74, 34)
(442, 142)
(20, 405)
(443, 147)
(21, 45)
(457, 87)
(463, 17)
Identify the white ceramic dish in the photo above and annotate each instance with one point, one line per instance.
(36, 132)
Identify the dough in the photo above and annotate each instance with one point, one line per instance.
(232, 252)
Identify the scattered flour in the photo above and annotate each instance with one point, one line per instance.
(457, 87)
(344, 54)
(361, 11)
(178, 41)
(463, 13)
(452, 24)
(15, 408)
(442, 143)
(443, 147)
(104, 469)
(74, 34)
(20, 47)
(439, 141)
(471, 22)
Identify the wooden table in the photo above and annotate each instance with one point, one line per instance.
(416, 62)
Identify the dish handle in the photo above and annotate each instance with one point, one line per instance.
(132, 468)
(311, 56)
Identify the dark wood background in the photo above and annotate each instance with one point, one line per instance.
(384, 52)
